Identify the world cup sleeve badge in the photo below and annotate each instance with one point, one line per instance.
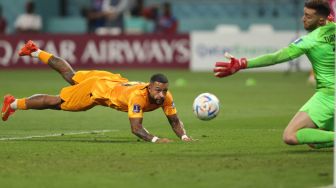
(173, 104)
(136, 108)
(297, 41)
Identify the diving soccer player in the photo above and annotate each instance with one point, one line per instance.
(314, 122)
(91, 88)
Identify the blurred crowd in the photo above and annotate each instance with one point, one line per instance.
(104, 17)
(107, 16)
(113, 17)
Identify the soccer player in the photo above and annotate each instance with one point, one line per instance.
(311, 79)
(314, 122)
(91, 88)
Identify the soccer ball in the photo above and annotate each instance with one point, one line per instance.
(206, 106)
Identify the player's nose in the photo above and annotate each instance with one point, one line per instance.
(302, 18)
(161, 94)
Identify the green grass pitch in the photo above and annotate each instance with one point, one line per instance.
(242, 147)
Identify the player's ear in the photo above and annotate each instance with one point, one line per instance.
(322, 21)
(150, 85)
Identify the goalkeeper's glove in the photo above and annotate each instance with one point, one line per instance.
(223, 69)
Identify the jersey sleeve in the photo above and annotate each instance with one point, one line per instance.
(135, 106)
(168, 105)
(294, 50)
(301, 46)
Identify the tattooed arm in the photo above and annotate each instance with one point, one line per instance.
(141, 132)
(178, 128)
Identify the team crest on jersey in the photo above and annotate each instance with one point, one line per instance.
(136, 108)
(297, 41)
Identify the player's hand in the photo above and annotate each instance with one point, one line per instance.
(223, 69)
(163, 140)
(188, 139)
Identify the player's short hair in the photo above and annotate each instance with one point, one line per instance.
(321, 6)
(159, 78)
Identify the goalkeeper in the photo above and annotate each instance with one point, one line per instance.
(314, 123)
(92, 88)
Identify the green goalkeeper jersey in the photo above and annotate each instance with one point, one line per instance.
(319, 47)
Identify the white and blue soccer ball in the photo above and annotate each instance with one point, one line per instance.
(206, 106)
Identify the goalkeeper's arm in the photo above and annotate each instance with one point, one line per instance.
(223, 69)
(280, 56)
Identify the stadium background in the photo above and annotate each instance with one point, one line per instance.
(193, 15)
(242, 147)
(206, 29)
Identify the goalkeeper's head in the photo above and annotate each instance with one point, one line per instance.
(316, 14)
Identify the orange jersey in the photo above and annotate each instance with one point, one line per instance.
(112, 90)
(131, 97)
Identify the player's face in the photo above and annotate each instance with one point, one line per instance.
(310, 19)
(158, 92)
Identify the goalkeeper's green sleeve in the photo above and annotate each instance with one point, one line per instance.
(283, 55)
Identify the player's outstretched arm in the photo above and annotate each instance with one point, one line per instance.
(141, 132)
(178, 128)
(223, 69)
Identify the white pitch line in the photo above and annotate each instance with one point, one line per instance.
(58, 134)
(330, 186)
